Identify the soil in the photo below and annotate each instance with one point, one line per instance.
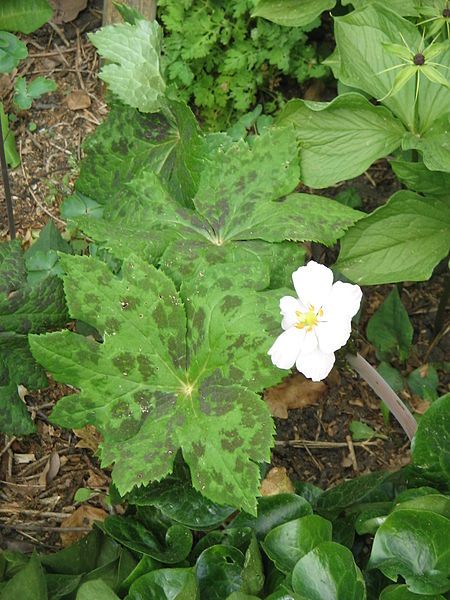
(41, 473)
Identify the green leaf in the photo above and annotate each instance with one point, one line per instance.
(165, 584)
(28, 584)
(414, 544)
(26, 92)
(60, 586)
(132, 534)
(432, 102)
(133, 72)
(433, 502)
(97, 589)
(392, 376)
(362, 431)
(128, 13)
(424, 382)
(401, 592)
(360, 36)
(417, 177)
(367, 488)
(350, 197)
(83, 494)
(24, 15)
(78, 205)
(292, 13)
(406, 8)
(12, 51)
(433, 144)
(11, 154)
(342, 138)
(252, 573)
(381, 248)
(328, 571)
(272, 512)
(150, 391)
(128, 143)
(289, 542)
(41, 259)
(430, 446)
(390, 329)
(24, 308)
(218, 570)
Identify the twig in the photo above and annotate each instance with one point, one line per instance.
(38, 527)
(351, 450)
(8, 446)
(6, 186)
(24, 511)
(323, 445)
(60, 33)
(370, 178)
(385, 392)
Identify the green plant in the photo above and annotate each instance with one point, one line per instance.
(224, 60)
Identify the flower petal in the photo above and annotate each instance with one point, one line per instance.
(287, 347)
(345, 298)
(313, 284)
(315, 365)
(333, 334)
(288, 308)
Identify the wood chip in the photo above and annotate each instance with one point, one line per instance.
(295, 392)
(24, 459)
(78, 99)
(276, 482)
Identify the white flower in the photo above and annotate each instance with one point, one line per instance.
(315, 324)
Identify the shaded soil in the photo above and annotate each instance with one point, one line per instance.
(40, 474)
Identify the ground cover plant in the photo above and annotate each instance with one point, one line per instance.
(192, 240)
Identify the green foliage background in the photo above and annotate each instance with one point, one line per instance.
(221, 58)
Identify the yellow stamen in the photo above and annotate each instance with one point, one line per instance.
(308, 319)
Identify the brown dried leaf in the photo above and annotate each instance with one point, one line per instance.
(83, 516)
(276, 482)
(295, 392)
(67, 10)
(89, 438)
(50, 470)
(78, 99)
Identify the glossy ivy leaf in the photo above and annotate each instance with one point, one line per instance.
(24, 308)
(390, 330)
(342, 138)
(132, 534)
(252, 573)
(287, 543)
(165, 584)
(272, 512)
(27, 91)
(401, 592)
(218, 570)
(129, 142)
(381, 248)
(367, 488)
(133, 71)
(433, 502)
(328, 571)
(24, 15)
(150, 390)
(60, 586)
(414, 545)
(28, 584)
(97, 589)
(12, 51)
(175, 497)
(430, 446)
(241, 596)
(417, 177)
(292, 13)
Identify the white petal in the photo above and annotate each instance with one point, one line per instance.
(310, 342)
(313, 284)
(287, 347)
(344, 298)
(334, 333)
(288, 308)
(315, 365)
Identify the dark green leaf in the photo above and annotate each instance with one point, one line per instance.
(392, 376)
(424, 382)
(328, 571)
(367, 488)
(174, 548)
(308, 491)
(60, 586)
(430, 446)
(401, 592)
(252, 573)
(218, 571)
(433, 502)
(144, 566)
(289, 542)
(165, 584)
(28, 584)
(77, 559)
(24, 15)
(350, 197)
(414, 544)
(273, 511)
(97, 589)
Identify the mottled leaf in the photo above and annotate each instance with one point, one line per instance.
(151, 389)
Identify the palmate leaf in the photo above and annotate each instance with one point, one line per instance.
(174, 371)
(243, 202)
(24, 308)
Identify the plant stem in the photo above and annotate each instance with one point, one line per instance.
(385, 392)
(5, 177)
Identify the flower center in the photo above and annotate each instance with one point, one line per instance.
(308, 319)
(419, 59)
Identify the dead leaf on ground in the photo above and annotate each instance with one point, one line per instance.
(89, 438)
(83, 516)
(67, 10)
(276, 482)
(50, 470)
(78, 99)
(295, 392)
